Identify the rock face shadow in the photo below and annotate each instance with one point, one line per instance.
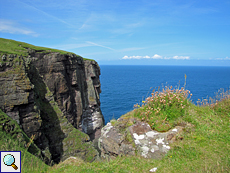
(51, 135)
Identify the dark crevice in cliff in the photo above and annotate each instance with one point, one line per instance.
(51, 134)
(71, 109)
(82, 87)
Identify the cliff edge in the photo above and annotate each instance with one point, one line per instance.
(53, 95)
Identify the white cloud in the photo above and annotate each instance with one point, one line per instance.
(132, 57)
(181, 57)
(13, 28)
(227, 58)
(156, 56)
(147, 57)
(143, 57)
(126, 57)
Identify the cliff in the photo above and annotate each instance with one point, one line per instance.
(54, 96)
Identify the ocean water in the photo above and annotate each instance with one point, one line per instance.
(123, 86)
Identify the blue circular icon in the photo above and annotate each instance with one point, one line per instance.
(9, 159)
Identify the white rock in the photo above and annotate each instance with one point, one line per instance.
(152, 150)
(145, 150)
(153, 170)
(160, 141)
(137, 142)
(168, 147)
(106, 129)
(155, 147)
(151, 134)
(174, 130)
(71, 158)
(138, 136)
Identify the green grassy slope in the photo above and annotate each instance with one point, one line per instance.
(204, 146)
(8, 46)
(12, 138)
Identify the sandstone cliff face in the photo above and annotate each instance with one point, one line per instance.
(53, 96)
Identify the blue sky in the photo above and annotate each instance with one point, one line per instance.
(134, 32)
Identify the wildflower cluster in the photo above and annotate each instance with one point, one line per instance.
(162, 108)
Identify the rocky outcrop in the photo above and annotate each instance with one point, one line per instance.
(113, 143)
(150, 143)
(55, 97)
(137, 139)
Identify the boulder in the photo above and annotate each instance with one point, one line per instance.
(144, 141)
(112, 143)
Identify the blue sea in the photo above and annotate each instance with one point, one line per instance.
(123, 86)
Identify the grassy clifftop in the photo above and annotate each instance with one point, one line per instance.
(8, 46)
(202, 147)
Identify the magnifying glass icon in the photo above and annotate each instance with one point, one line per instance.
(9, 160)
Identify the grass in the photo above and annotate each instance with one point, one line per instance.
(8, 46)
(204, 146)
(30, 163)
(164, 109)
(12, 138)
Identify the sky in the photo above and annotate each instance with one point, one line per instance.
(124, 32)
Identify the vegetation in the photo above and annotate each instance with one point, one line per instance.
(203, 147)
(8, 46)
(12, 138)
(164, 109)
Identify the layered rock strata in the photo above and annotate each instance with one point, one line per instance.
(55, 97)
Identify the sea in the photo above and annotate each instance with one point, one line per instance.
(125, 85)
